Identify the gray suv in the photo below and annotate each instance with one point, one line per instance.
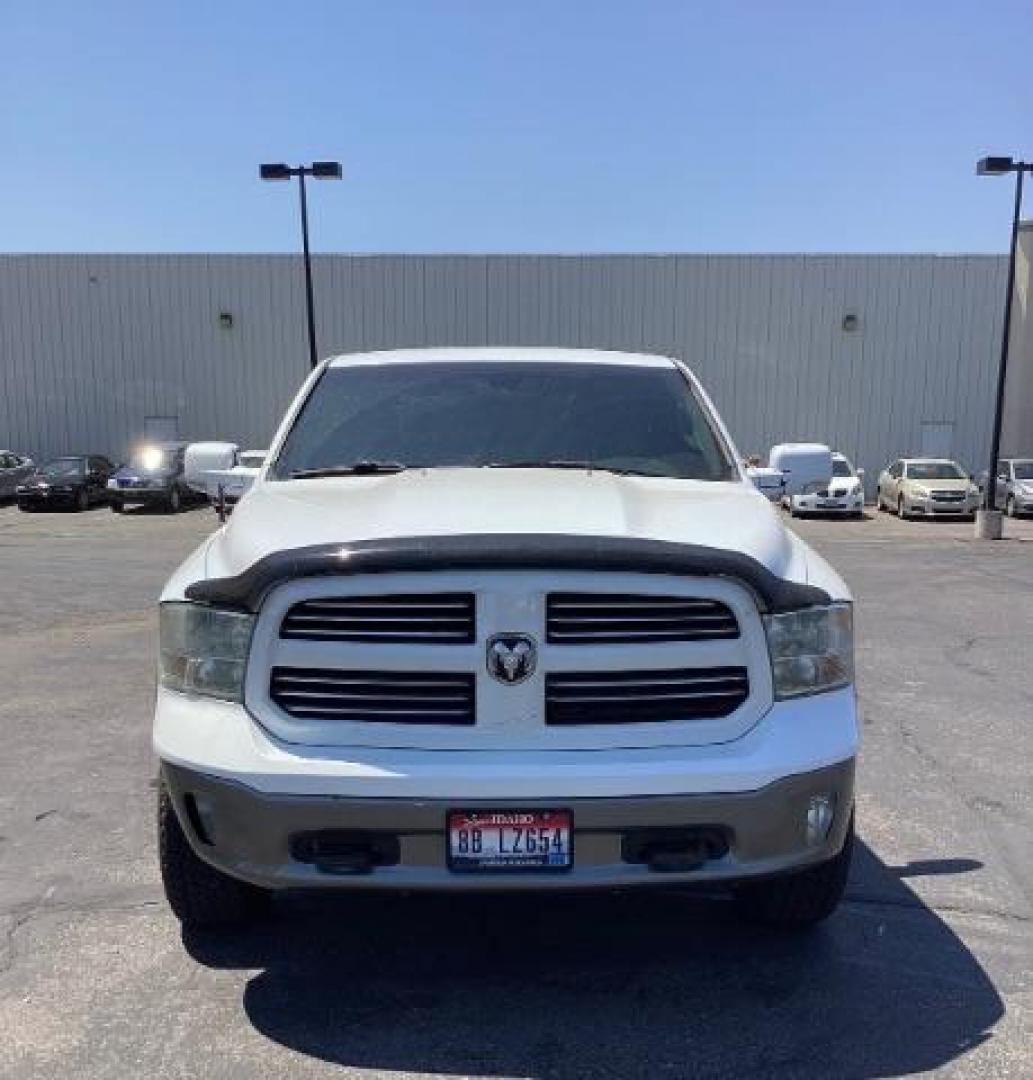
(14, 468)
(1015, 485)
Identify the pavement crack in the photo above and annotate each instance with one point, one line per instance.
(22, 914)
(936, 909)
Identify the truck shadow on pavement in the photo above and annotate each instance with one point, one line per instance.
(632, 984)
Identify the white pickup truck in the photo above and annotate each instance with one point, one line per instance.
(504, 618)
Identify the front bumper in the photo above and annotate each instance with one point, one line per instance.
(35, 498)
(833, 505)
(257, 791)
(142, 496)
(252, 835)
(937, 508)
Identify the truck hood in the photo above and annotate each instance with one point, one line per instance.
(282, 515)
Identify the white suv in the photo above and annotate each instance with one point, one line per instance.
(497, 618)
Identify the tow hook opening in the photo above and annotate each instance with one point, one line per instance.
(675, 850)
(345, 851)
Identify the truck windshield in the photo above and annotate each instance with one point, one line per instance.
(640, 420)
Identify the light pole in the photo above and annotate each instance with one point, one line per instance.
(999, 166)
(322, 170)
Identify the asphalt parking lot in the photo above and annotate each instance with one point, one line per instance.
(928, 967)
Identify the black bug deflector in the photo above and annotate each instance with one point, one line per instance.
(504, 551)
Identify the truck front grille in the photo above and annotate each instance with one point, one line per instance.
(422, 619)
(394, 697)
(629, 697)
(620, 619)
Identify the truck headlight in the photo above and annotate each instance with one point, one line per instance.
(203, 650)
(812, 650)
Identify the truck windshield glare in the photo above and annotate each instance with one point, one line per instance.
(637, 420)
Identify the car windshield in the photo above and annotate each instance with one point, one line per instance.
(1023, 470)
(64, 468)
(841, 467)
(934, 470)
(384, 417)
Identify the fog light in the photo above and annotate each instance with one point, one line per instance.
(820, 811)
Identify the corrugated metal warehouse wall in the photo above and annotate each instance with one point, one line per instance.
(93, 345)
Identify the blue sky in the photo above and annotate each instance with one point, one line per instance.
(566, 125)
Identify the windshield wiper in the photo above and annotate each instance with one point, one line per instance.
(562, 463)
(354, 468)
(554, 463)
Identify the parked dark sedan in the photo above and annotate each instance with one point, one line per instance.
(15, 469)
(154, 478)
(74, 482)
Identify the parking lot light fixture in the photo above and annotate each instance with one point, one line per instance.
(1001, 166)
(321, 170)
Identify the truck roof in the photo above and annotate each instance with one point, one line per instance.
(495, 354)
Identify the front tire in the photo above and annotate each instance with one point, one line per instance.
(198, 894)
(174, 503)
(1009, 506)
(901, 511)
(82, 501)
(799, 900)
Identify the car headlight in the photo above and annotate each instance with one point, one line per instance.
(921, 492)
(812, 650)
(973, 490)
(203, 650)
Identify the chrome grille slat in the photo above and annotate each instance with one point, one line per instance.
(434, 618)
(378, 618)
(604, 618)
(644, 603)
(635, 684)
(628, 697)
(398, 697)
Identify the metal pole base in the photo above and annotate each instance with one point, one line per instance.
(989, 524)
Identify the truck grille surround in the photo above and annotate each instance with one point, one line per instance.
(411, 660)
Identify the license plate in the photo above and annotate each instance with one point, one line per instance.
(830, 504)
(493, 841)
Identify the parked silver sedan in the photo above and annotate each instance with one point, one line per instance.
(927, 487)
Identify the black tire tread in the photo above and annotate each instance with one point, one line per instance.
(198, 894)
(802, 899)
